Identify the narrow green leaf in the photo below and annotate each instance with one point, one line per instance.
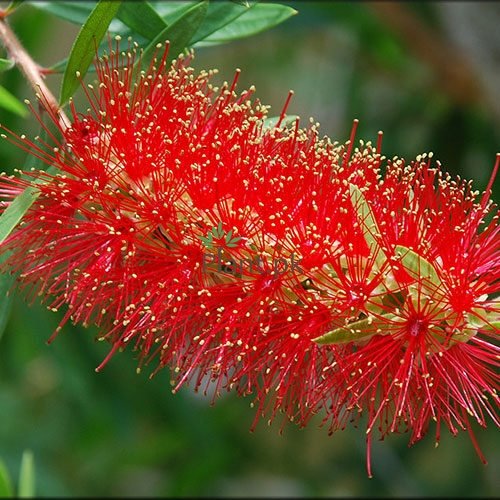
(6, 490)
(494, 325)
(272, 121)
(6, 64)
(83, 50)
(173, 10)
(258, 18)
(241, 2)
(14, 5)
(178, 33)
(219, 15)
(76, 12)
(10, 103)
(13, 214)
(362, 329)
(419, 268)
(483, 318)
(26, 487)
(6, 281)
(60, 66)
(141, 18)
(368, 224)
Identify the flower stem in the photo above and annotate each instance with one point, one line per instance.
(31, 71)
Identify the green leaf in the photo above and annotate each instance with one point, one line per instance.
(219, 15)
(83, 50)
(358, 330)
(6, 281)
(241, 2)
(172, 10)
(76, 12)
(6, 490)
(272, 121)
(27, 476)
(13, 6)
(259, 17)
(484, 317)
(60, 66)
(141, 18)
(368, 224)
(10, 103)
(6, 64)
(13, 214)
(419, 268)
(178, 33)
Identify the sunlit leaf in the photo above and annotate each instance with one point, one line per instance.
(141, 18)
(6, 64)
(6, 281)
(179, 33)
(13, 214)
(245, 3)
(83, 50)
(259, 17)
(14, 5)
(26, 487)
(11, 103)
(368, 224)
(358, 330)
(76, 12)
(219, 15)
(6, 490)
(419, 268)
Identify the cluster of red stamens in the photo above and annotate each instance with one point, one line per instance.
(321, 278)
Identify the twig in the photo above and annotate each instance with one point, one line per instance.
(31, 71)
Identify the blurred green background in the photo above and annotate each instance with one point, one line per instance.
(428, 75)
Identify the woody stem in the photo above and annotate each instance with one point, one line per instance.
(31, 71)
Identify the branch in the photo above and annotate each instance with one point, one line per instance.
(32, 72)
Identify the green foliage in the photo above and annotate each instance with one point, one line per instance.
(83, 50)
(184, 23)
(27, 476)
(362, 329)
(141, 18)
(258, 18)
(11, 103)
(6, 282)
(6, 64)
(6, 489)
(14, 5)
(420, 268)
(26, 483)
(369, 226)
(178, 33)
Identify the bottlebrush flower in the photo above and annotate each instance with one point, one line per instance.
(427, 347)
(263, 258)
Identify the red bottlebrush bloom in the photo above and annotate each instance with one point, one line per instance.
(263, 258)
(428, 339)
